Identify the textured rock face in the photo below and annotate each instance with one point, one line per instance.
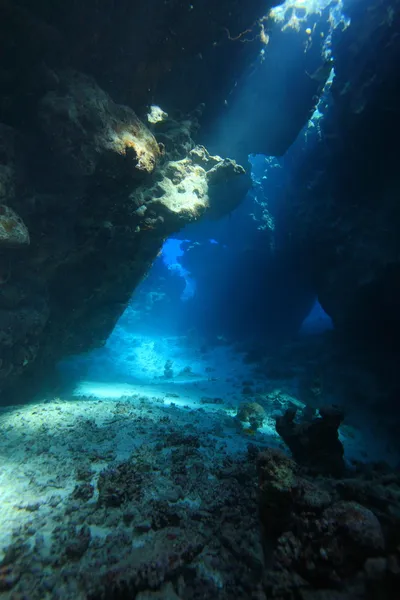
(178, 54)
(319, 545)
(184, 189)
(314, 442)
(81, 225)
(343, 197)
(87, 129)
(13, 231)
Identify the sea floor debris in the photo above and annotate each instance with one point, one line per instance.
(155, 494)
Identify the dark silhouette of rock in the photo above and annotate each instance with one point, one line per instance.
(314, 443)
(96, 202)
(90, 134)
(341, 210)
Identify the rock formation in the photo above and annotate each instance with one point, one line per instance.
(320, 542)
(86, 186)
(87, 201)
(341, 210)
(314, 442)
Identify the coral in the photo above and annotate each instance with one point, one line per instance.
(164, 515)
(315, 544)
(10, 168)
(196, 525)
(8, 577)
(177, 135)
(156, 115)
(6, 183)
(179, 438)
(318, 546)
(150, 566)
(378, 491)
(187, 188)
(13, 231)
(253, 413)
(310, 497)
(84, 472)
(100, 197)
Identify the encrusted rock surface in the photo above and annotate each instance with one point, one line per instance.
(183, 189)
(9, 163)
(133, 498)
(89, 132)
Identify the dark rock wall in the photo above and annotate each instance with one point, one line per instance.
(341, 208)
(88, 198)
(177, 54)
(173, 52)
(87, 194)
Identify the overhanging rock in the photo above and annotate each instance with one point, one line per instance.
(96, 220)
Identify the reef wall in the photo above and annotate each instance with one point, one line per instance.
(340, 208)
(226, 55)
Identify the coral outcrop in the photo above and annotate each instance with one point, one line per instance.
(253, 413)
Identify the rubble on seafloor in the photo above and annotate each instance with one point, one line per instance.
(134, 498)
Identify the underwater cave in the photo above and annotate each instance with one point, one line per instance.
(199, 300)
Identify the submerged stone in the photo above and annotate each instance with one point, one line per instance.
(13, 231)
